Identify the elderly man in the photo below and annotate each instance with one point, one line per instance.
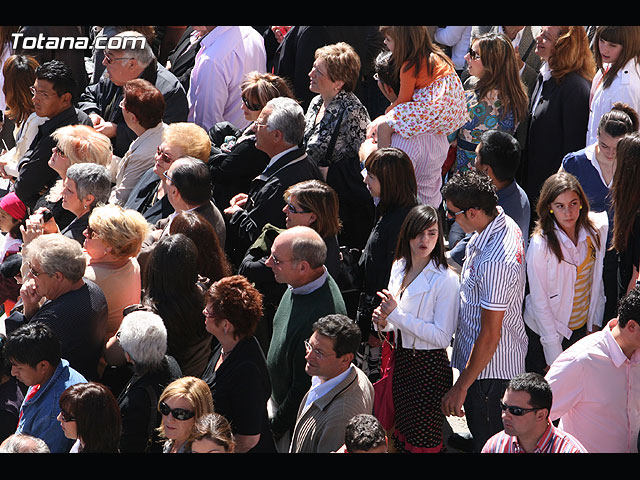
(75, 308)
(101, 101)
(596, 384)
(297, 259)
(339, 390)
(490, 341)
(53, 100)
(34, 353)
(279, 133)
(525, 415)
(143, 337)
(142, 108)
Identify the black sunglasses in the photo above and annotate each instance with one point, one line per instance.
(473, 54)
(250, 106)
(66, 417)
(517, 411)
(177, 413)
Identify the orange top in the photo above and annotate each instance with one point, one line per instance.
(409, 82)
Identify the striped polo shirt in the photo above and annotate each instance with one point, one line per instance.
(493, 278)
(553, 440)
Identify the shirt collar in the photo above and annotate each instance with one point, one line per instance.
(617, 356)
(480, 240)
(564, 238)
(312, 285)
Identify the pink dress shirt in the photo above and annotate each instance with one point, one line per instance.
(553, 440)
(596, 393)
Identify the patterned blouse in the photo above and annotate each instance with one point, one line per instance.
(352, 130)
(486, 114)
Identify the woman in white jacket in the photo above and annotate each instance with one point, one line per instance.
(421, 307)
(564, 269)
(617, 56)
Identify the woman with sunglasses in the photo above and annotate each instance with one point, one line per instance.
(564, 269)
(495, 95)
(89, 414)
(237, 371)
(236, 160)
(181, 404)
(421, 306)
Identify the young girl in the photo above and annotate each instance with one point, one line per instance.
(421, 306)
(564, 268)
(617, 56)
(12, 215)
(496, 98)
(431, 97)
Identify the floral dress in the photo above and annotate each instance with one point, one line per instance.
(486, 114)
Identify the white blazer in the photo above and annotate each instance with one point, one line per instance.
(427, 313)
(552, 286)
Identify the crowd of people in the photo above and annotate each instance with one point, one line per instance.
(316, 239)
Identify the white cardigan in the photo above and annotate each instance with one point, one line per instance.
(552, 286)
(427, 313)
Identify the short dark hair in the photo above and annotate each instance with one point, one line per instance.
(536, 386)
(471, 189)
(501, 152)
(60, 76)
(145, 101)
(384, 67)
(344, 332)
(193, 180)
(363, 432)
(32, 343)
(237, 300)
(629, 308)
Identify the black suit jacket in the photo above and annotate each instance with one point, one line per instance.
(182, 57)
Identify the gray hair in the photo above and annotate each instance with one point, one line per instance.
(287, 116)
(57, 253)
(132, 47)
(310, 248)
(143, 336)
(23, 443)
(91, 179)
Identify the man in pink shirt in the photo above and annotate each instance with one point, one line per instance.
(596, 384)
(525, 407)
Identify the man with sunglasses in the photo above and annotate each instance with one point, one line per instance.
(596, 384)
(34, 352)
(525, 415)
(101, 101)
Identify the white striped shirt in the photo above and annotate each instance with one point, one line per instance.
(428, 153)
(493, 278)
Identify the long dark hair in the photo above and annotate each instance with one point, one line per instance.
(397, 177)
(625, 194)
(417, 221)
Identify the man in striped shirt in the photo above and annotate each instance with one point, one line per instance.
(525, 415)
(490, 342)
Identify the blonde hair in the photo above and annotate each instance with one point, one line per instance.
(196, 391)
(192, 139)
(83, 144)
(122, 229)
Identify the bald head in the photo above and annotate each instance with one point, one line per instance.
(297, 256)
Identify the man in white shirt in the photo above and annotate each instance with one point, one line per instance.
(596, 384)
(226, 55)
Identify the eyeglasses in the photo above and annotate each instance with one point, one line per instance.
(58, 150)
(276, 261)
(163, 156)
(319, 355)
(109, 59)
(473, 54)
(250, 106)
(33, 272)
(177, 413)
(66, 417)
(42, 94)
(167, 177)
(90, 233)
(517, 411)
(292, 209)
(453, 215)
(259, 125)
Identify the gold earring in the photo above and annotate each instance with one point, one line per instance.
(550, 211)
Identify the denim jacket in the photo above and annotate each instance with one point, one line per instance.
(38, 413)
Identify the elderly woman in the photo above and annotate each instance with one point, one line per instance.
(54, 292)
(112, 240)
(336, 124)
(86, 185)
(237, 371)
(181, 139)
(143, 338)
(182, 403)
(236, 161)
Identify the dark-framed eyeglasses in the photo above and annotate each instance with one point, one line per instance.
(473, 54)
(250, 106)
(177, 413)
(66, 417)
(90, 233)
(452, 215)
(516, 411)
(292, 209)
(169, 179)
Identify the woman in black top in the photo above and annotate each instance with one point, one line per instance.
(237, 372)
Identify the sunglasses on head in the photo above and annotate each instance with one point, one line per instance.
(177, 413)
(517, 411)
